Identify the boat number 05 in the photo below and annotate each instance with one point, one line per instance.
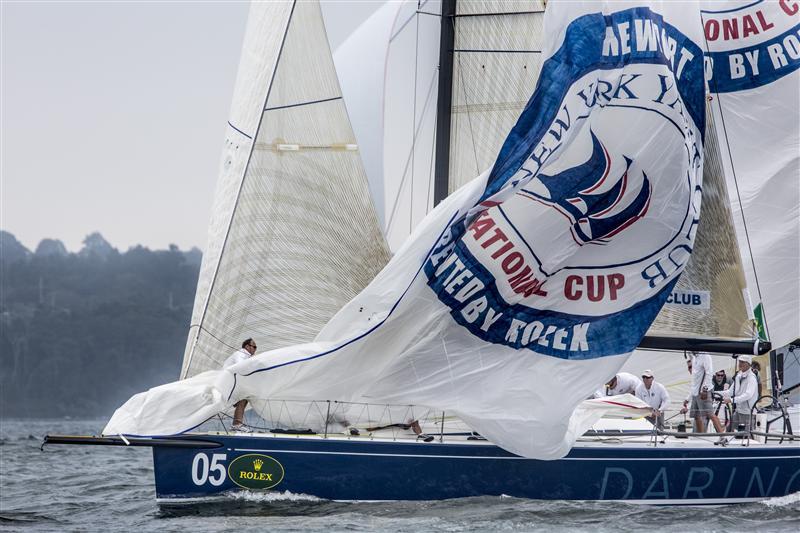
(213, 472)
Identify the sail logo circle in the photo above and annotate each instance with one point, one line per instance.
(589, 197)
(581, 237)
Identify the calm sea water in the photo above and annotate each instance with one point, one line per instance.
(92, 488)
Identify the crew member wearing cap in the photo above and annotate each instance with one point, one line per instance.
(742, 394)
(622, 383)
(655, 395)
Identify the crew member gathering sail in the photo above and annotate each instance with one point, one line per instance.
(248, 349)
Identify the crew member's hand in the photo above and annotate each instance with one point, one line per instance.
(727, 401)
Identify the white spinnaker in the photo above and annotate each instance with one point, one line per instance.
(294, 234)
(496, 67)
(756, 108)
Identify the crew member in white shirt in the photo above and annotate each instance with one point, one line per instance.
(247, 350)
(743, 393)
(655, 395)
(699, 402)
(622, 383)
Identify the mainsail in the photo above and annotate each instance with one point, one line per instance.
(497, 55)
(493, 308)
(294, 234)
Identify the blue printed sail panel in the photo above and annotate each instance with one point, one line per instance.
(531, 285)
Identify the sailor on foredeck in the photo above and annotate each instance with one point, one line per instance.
(248, 349)
(622, 383)
(655, 395)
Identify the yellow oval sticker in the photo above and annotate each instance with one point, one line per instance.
(255, 471)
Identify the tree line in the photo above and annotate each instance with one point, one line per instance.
(82, 332)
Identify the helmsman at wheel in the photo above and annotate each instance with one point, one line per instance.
(742, 394)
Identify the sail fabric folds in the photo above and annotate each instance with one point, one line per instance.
(294, 234)
(528, 287)
(753, 70)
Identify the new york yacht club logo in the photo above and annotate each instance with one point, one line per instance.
(579, 251)
(592, 199)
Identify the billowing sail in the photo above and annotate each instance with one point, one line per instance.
(753, 66)
(293, 235)
(495, 310)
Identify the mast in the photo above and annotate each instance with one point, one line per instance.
(444, 102)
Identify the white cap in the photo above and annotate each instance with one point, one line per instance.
(746, 359)
(647, 374)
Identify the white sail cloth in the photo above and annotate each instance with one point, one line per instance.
(527, 288)
(753, 66)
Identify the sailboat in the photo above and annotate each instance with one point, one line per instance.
(294, 237)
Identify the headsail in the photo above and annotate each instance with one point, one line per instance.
(294, 234)
(491, 311)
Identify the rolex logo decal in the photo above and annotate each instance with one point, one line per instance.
(255, 471)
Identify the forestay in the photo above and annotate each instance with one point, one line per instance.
(294, 234)
(493, 310)
(752, 65)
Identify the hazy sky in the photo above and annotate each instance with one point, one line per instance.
(113, 116)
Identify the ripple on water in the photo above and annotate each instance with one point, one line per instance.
(111, 488)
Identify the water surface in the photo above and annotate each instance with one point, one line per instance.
(111, 488)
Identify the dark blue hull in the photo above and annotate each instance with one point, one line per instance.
(374, 470)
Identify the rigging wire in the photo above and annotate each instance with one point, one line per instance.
(213, 336)
(408, 159)
(414, 119)
(467, 106)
